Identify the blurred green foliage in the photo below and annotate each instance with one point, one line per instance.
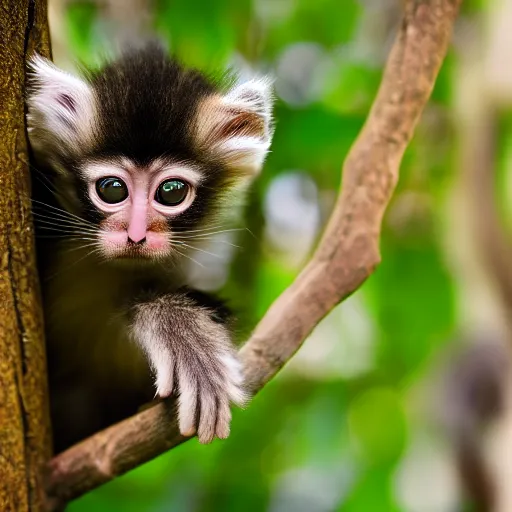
(308, 443)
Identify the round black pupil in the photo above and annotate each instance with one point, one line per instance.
(171, 192)
(112, 190)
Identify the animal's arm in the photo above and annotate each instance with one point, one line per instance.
(190, 350)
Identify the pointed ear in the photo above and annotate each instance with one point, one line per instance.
(61, 110)
(237, 127)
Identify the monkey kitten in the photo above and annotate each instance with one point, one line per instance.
(141, 158)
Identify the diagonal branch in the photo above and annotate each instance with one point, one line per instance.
(348, 253)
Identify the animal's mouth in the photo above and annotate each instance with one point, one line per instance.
(118, 245)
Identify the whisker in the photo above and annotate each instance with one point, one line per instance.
(62, 218)
(200, 250)
(53, 190)
(67, 237)
(59, 221)
(74, 247)
(65, 229)
(39, 217)
(213, 226)
(84, 246)
(40, 174)
(232, 230)
(207, 239)
(188, 257)
(60, 210)
(72, 264)
(207, 230)
(56, 233)
(71, 231)
(59, 216)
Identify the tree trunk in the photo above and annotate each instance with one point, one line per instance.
(24, 420)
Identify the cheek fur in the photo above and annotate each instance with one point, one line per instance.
(115, 237)
(157, 241)
(157, 236)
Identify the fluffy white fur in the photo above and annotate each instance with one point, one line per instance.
(250, 151)
(246, 150)
(61, 110)
(200, 365)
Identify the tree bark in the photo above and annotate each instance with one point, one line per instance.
(25, 445)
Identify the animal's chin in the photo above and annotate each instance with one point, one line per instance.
(136, 255)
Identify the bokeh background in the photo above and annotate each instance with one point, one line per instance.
(357, 421)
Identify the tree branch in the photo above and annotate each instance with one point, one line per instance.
(346, 256)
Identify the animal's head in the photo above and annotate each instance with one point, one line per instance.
(145, 149)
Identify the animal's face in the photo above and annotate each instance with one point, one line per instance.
(141, 206)
(146, 151)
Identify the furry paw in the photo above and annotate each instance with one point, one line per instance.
(192, 356)
(206, 383)
(207, 386)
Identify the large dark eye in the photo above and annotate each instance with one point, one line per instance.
(112, 190)
(172, 192)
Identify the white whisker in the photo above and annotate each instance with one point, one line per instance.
(48, 278)
(188, 257)
(65, 228)
(200, 250)
(232, 230)
(206, 228)
(61, 217)
(65, 212)
(207, 239)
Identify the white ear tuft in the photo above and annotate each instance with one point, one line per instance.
(61, 110)
(238, 128)
(255, 95)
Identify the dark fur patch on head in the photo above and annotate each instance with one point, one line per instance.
(146, 106)
(147, 102)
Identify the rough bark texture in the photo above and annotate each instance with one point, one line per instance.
(24, 420)
(346, 256)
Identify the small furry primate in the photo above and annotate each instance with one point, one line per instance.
(141, 158)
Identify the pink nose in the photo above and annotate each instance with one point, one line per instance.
(137, 225)
(136, 235)
(136, 242)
